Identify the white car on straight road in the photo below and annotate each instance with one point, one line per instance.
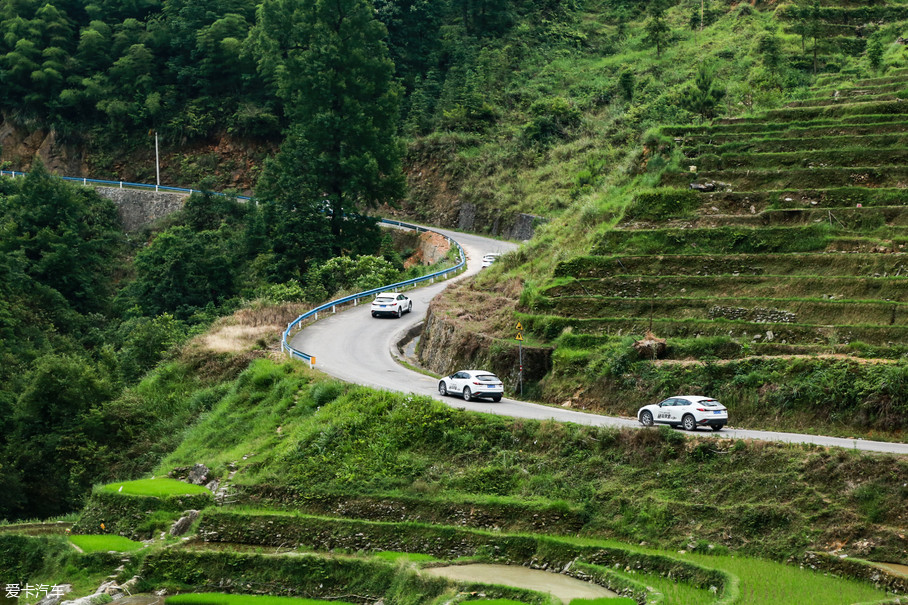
(686, 411)
(391, 303)
(471, 384)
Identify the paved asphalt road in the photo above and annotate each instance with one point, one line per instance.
(357, 348)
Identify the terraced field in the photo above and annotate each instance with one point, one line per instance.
(782, 234)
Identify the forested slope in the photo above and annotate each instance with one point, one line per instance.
(555, 109)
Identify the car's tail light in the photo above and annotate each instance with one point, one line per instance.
(702, 409)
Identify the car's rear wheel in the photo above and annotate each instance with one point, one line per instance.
(467, 395)
(496, 398)
(374, 314)
(400, 312)
(646, 418)
(442, 389)
(689, 423)
(717, 427)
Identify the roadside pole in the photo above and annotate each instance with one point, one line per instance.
(520, 356)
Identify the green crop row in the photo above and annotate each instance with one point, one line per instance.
(445, 542)
(661, 204)
(810, 265)
(842, 89)
(667, 203)
(838, 197)
(851, 219)
(763, 122)
(550, 327)
(892, 75)
(709, 286)
(758, 127)
(797, 178)
(820, 128)
(863, 98)
(729, 240)
(136, 517)
(789, 144)
(853, 108)
(303, 575)
(853, 156)
(574, 348)
(503, 513)
(805, 312)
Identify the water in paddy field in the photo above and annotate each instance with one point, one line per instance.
(899, 570)
(563, 587)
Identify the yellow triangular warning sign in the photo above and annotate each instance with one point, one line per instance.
(519, 336)
(519, 326)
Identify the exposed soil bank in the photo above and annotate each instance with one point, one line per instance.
(564, 587)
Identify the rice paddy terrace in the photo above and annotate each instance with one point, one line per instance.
(781, 235)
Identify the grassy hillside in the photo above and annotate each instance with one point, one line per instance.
(316, 443)
(324, 481)
(766, 247)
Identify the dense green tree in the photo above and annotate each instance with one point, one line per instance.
(875, 53)
(206, 211)
(329, 62)
(704, 94)
(414, 38)
(769, 47)
(345, 273)
(485, 17)
(67, 235)
(145, 342)
(180, 271)
(50, 425)
(657, 30)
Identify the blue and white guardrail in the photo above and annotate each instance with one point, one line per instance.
(122, 184)
(354, 298)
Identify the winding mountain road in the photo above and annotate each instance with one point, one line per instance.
(355, 347)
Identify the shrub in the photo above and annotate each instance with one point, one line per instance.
(552, 120)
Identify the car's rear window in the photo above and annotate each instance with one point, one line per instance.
(710, 403)
(488, 378)
(384, 299)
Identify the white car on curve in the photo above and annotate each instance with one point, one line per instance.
(391, 303)
(471, 384)
(687, 411)
(489, 259)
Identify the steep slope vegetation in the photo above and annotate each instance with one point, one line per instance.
(767, 249)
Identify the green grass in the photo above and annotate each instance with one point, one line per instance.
(157, 487)
(412, 557)
(605, 601)
(770, 582)
(220, 598)
(104, 543)
(761, 582)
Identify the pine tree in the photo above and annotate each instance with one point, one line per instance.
(329, 63)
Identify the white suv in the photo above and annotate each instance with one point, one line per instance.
(391, 303)
(686, 411)
(489, 259)
(471, 384)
